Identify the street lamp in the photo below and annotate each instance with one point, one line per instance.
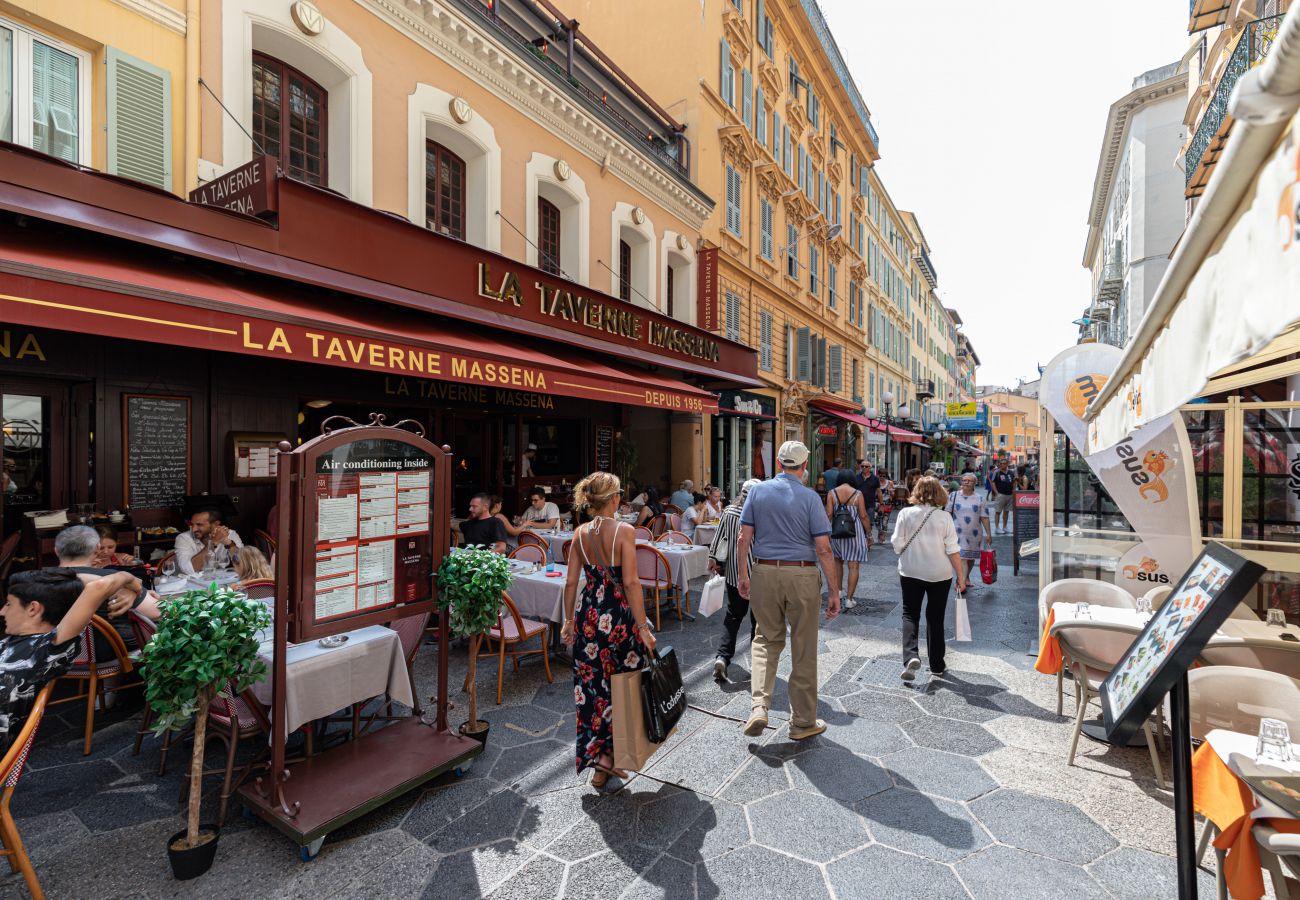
(887, 399)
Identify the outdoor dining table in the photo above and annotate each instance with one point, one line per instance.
(179, 584)
(555, 543)
(685, 562)
(321, 681)
(538, 595)
(704, 534)
(1223, 797)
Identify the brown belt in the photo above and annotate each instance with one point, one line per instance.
(784, 562)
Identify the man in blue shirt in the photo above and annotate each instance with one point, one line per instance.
(784, 523)
(681, 497)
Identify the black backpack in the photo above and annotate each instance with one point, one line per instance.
(842, 520)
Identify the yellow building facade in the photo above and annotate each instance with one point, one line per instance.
(1013, 423)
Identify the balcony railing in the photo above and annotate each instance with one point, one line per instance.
(1216, 124)
(924, 389)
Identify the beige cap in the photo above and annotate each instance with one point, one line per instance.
(792, 453)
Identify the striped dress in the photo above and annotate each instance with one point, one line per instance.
(727, 535)
(851, 549)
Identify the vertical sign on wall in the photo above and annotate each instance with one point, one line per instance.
(706, 316)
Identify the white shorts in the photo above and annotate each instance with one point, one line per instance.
(1002, 502)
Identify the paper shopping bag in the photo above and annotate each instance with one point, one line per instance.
(962, 617)
(632, 744)
(714, 595)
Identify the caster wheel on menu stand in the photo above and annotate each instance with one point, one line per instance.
(308, 853)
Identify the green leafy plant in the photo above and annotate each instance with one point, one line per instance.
(205, 639)
(470, 585)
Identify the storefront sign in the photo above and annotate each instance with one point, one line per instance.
(1148, 474)
(116, 315)
(961, 410)
(876, 437)
(746, 403)
(20, 345)
(250, 189)
(449, 392)
(706, 292)
(827, 431)
(595, 313)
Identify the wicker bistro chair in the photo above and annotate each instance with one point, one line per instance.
(1091, 650)
(11, 769)
(232, 717)
(565, 547)
(659, 524)
(264, 542)
(672, 508)
(641, 533)
(1077, 590)
(513, 629)
(95, 672)
(674, 521)
(656, 577)
(676, 537)
(144, 629)
(259, 589)
(532, 538)
(530, 552)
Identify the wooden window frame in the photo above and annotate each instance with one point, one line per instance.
(550, 232)
(434, 223)
(285, 70)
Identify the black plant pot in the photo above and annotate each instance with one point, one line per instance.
(193, 862)
(480, 736)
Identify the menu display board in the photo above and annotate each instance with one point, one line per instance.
(373, 528)
(255, 456)
(604, 448)
(1024, 525)
(1177, 632)
(155, 450)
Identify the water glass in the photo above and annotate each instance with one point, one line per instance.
(1277, 618)
(1274, 743)
(169, 567)
(1144, 607)
(1082, 610)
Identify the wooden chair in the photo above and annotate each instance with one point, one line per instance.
(672, 508)
(656, 577)
(529, 553)
(512, 629)
(676, 537)
(8, 550)
(144, 629)
(260, 589)
(264, 542)
(232, 718)
(95, 673)
(531, 537)
(643, 534)
(564, 550)
(11, 769)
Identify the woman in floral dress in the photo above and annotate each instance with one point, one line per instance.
(970, 515)
(608, 630)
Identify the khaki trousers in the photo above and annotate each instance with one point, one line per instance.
(781, 595)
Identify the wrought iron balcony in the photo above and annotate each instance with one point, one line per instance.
(924, 389)
(1216, 124)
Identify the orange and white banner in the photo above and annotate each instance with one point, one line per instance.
(1148, 474)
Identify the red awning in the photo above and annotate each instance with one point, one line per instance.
(901, 435)
(81, 287)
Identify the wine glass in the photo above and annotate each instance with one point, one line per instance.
(220, 557)
(169, 567)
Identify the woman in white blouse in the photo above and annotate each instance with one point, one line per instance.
(694, 514)
(713, 504)
(925, 540)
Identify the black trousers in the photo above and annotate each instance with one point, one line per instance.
(737, 608)
(915, 592)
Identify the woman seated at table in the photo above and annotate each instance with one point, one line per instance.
(107, 554)
(713, 504)
(694, 514)
(251, 565)
(653, 507)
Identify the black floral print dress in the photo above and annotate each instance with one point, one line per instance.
(604, 644)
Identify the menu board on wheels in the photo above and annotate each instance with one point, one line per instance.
(374, 542)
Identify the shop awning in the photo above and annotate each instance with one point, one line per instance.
(900, 435)
(84, 288)
(1227, 299)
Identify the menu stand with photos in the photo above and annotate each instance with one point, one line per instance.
(366, 529)
(1024, 527)
(1156, 664)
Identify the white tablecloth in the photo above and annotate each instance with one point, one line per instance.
(684, 562)
(1232, 744)
(179, 585)
(539, 597)
(323, 681)
(555, 540)
(704, 534)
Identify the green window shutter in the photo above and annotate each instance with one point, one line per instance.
(139, 120)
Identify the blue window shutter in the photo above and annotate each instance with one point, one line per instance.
(836, 368)
(804, 370)
(785, 143)
(765, 248)
(55, 90)
(746, 98)
(760, 119)
(776, 137)
(727, 81)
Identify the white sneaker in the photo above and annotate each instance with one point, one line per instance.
(909, 671)
(848, 603)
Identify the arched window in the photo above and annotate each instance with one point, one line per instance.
(548, 236)
(444, 191)
(289, 119)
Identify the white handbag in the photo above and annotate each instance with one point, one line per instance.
(962, 617)
(714, 595)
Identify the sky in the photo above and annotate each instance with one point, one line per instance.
(991, 117)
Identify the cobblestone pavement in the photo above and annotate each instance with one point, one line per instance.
(950, 787)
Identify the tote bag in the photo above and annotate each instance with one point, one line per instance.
(714, 595)
(962, 617)
(989, 566)
(662, 694)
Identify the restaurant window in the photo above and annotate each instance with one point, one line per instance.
(548, 236)
(44, 93)
(624, 271)
(289, 120)
(444, 191)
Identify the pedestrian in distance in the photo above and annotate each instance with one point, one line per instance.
(724, 561)
(786, 525)
(1003, 481)
(887, 502)
(970, 516)
(831, 476)
(848, 514)
(925, 540)
(869, 483)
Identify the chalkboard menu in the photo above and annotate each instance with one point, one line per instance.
(1024, 524)
(604, 448)
(155, 450)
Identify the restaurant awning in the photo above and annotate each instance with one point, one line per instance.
(901, 435)
(83, 287)
(1227, 299)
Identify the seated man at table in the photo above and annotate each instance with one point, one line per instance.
(44, 613)
(482, 529)
(681, 498)
(77, 547)
(541, 514)
(207, 532)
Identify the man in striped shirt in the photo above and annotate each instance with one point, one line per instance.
(722, 560)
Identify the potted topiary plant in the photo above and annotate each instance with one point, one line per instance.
(470, 584)
(206, 639)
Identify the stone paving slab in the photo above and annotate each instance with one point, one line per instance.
(945, 787)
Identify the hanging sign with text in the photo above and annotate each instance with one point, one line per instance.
(707, 290)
